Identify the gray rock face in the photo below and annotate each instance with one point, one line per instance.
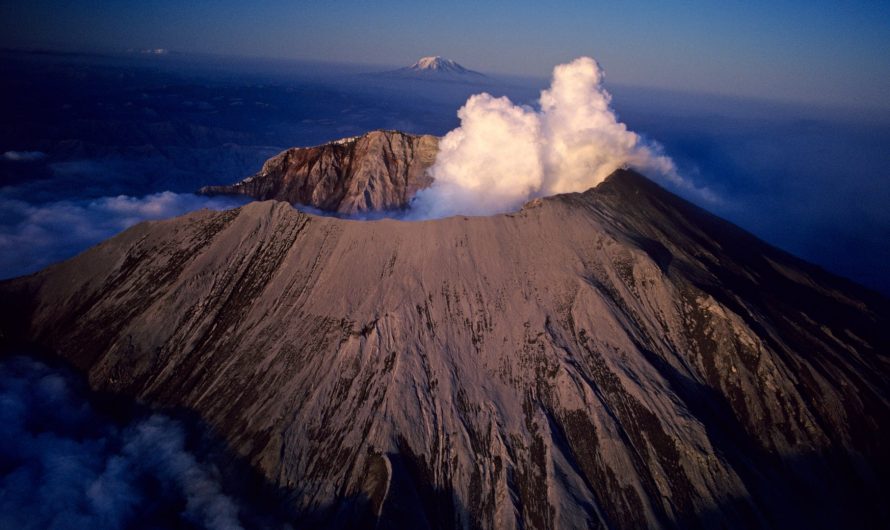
(612, 359)
(378, 171)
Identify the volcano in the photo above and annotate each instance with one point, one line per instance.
(436, 68)
(617, 358)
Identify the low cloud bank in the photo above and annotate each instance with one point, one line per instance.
(24, 156)
(33, 236)
(65, 465)
(504, 154)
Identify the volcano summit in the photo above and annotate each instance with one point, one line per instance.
(616, 358)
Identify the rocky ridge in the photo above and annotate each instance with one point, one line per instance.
(377, 171)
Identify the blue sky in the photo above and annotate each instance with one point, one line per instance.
(810, 52)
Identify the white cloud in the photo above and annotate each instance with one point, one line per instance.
(35, 235)
(67, 465)
(491, 161)
(503, 155)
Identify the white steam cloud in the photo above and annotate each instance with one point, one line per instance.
(503, 154)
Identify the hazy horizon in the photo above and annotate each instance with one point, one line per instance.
(806, 52)
(804, 178)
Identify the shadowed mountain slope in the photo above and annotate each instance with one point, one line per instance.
(617, 358)
(378, 171)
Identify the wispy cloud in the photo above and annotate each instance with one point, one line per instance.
(64, 464)
(24, 156)
(35, 235)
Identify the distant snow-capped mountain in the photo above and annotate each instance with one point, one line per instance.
(439, 64)
(435, 68)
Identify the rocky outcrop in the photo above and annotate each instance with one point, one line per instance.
(612, 359)
(378, 171)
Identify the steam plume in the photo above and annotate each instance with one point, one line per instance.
(504, 154)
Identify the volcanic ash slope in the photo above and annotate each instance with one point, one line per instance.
(617, 358)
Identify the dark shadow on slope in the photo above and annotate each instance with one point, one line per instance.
(806, 489)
